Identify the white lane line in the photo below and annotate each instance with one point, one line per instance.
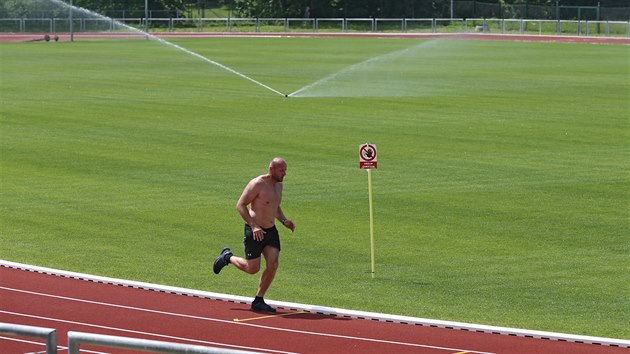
(143, 333)
(365, 339)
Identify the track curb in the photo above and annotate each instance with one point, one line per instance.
(331, 311)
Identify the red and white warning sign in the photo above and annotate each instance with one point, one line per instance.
(367, 156)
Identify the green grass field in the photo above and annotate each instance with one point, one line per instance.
(502, 195)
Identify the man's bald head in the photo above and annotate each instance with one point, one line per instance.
(277, 161)
(278, 169)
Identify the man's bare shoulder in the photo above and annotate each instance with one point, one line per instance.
(257, 182)
(260, 179)
(251, 191)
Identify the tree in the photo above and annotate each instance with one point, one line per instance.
(30, 8)
(340, 8)
(137, 6)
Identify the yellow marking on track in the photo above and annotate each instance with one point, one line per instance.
(462, 352)
(268, 316)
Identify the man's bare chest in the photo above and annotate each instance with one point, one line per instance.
(269, 196)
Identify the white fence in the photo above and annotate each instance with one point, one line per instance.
(323, 25)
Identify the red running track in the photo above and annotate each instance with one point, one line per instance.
(69, 304)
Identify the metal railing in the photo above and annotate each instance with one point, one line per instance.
(75, 339)
(31, 331)
(323, 25)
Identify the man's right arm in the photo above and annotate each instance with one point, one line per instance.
(247, 197)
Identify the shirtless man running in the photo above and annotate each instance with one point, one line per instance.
(263, 194)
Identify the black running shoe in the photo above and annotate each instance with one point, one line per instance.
(221, 262)
(262, 307)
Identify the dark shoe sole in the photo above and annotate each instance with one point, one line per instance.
(220, 262)
(262, 307)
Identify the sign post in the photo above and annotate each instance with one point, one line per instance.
(368, 161)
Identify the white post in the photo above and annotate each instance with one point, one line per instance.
(368, 161)
(369, 172)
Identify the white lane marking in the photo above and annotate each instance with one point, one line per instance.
(244, 324)
(142, 333)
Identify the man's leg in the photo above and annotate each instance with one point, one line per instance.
(271, 265)
(252, 249)
(272, 256)
(251, 266)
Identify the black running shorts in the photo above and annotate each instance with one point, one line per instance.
(253, 248)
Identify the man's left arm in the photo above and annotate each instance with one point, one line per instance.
(286, 222)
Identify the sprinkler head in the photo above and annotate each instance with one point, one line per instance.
(287, 96)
